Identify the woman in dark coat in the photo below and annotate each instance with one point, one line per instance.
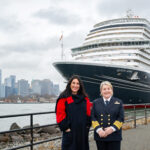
(73, 115)
(107, 119)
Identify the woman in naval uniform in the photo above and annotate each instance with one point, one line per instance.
(107, 119)
(73, 115)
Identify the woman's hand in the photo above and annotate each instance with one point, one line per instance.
(108, 130)
(102, 133)
(68, 130)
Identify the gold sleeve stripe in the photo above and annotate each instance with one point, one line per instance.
(118, 124)
(95, 124)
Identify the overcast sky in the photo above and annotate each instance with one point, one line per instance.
(30, 31)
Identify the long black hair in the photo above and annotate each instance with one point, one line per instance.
(68, 92)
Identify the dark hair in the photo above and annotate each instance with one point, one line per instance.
(67, 92)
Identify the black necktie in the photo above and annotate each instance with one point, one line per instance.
(106, 102)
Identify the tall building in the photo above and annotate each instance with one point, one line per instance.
(23, 87)
(0, 82)
(0, 77)
(7, 84)
(46, 87)
(3, 93)
(12, 80)
(36, 86)
(10, 85)
(56, 90)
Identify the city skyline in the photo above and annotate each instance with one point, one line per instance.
(2, 78)
(11, 87)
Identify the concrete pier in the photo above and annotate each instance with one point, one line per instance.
(133, 139)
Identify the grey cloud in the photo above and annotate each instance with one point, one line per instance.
(3, 53)
(75, 39)
(30, 46)
(14, 63)
(58, 16)
(109, 8)
(9, 25)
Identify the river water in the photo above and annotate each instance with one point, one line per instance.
(10, 109)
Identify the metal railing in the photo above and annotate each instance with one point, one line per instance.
(30, 128)
(133, 118)
(137, 112)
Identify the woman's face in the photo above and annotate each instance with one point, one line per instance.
(75, 86)
(106, 91)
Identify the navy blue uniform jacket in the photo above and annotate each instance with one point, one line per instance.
(104, 116)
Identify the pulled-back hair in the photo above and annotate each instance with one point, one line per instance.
(106, 83)
(68, 92)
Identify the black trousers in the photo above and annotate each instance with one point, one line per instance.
(108, 145)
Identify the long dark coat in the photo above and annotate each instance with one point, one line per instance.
(74, 112)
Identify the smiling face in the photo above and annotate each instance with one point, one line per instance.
(106, 91)
(75, 86)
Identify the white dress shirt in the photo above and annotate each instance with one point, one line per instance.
(106, 99)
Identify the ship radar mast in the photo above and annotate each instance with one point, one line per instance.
(129, 13)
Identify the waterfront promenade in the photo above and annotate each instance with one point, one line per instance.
(133, 139)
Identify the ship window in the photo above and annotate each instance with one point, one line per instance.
(119, 73)
(145, 77)
(140, 100)
(147, 42)
(136, 43)
(140, 43)
(125, 43)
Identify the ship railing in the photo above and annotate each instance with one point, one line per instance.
(133, 114)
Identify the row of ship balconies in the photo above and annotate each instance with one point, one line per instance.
(125, 56)
(144, 51)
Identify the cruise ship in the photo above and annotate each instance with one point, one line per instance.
(118, 51)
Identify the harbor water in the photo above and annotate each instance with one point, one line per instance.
(11, 109)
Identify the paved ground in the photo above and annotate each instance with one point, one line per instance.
(133, 139)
